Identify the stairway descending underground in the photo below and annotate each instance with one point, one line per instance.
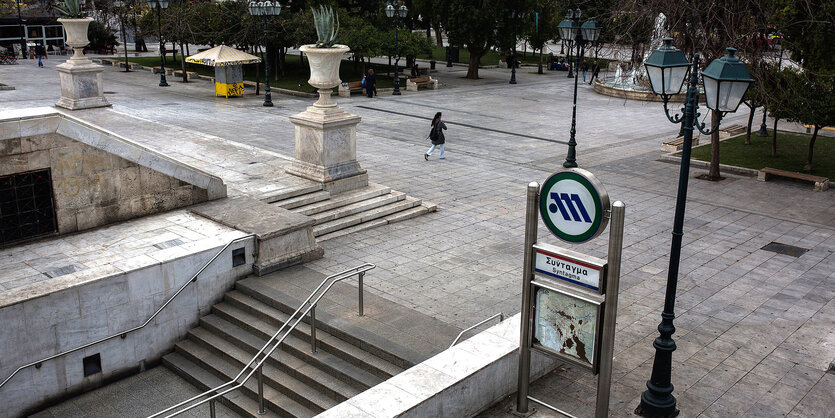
(297, 382)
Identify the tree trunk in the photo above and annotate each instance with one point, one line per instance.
(774, 139)
(187, 51)
(183, 64)
(808, 166)
(713, 174)
(439, 39)
(750, 122)
(125, 44)
(539, 68)
(472, 69)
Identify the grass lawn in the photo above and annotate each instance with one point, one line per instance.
(296, 73)
(792, 151)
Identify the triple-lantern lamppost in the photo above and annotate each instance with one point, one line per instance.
(160, 4)
(265, 9)
(725, 81)
(572, 32)
(396, 13)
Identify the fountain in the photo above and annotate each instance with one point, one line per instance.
(635, 84)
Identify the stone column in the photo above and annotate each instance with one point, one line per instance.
(326, 148)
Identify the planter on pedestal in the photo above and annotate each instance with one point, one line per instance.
(81, 85)
(326, 135)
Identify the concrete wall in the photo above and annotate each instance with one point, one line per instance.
(92, 187)
(40, 327)
(457, 382)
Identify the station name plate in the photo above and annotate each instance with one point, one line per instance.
(569, 266)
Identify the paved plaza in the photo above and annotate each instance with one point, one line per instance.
(755, 329)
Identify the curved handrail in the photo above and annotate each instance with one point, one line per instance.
(359, 270)
(501, 318)
(123, 334)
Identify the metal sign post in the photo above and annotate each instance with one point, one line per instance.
(569, 300)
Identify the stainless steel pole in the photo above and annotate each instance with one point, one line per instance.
(360, 295)
(212, 408)
(531, 223)
(261, 410)
(607, 346)
(313, 329)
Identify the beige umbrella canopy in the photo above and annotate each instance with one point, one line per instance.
(222, 56)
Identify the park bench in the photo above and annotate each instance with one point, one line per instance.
(821, 183)
(179, 73)
(414, 83)
(732, 130)
(345, 89)
(676, 144)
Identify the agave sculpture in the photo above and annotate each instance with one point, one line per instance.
(70, 9)
(327, 26)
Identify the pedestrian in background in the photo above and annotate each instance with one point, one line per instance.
(595, 69)
(371, 83)
(585, 68)
(40, 52)
(436, 135)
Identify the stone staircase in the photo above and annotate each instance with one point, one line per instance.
(348, 212)
(297, 382)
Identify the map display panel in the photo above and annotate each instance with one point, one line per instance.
(566, 325)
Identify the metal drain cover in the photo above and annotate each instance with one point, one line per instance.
(786, 249)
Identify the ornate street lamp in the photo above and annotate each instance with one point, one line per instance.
(397, 14)
(571, 31)
(265, 9)
(568, 32)
(160, 4)
(515, 15)
(725, 81)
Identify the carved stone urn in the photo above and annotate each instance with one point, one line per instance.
(326, 135)
(81, 85)
(324, 70)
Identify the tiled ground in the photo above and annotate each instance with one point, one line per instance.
(755, 329)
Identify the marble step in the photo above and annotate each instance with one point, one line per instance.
(290, 192)
(325, 340)
(303, 200)
(231, 321)
(205, 380)
(396, 217)
(277, 379)
(343, 199)
(365, 216)
(274, 400)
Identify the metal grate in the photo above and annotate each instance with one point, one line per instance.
(786, 249)
(27, 208)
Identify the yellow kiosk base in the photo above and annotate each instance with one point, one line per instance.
(229, 89)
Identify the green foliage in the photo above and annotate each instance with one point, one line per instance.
(70, 9)
(327, 26)
(100, 36)
(478, 24)
(808, 30)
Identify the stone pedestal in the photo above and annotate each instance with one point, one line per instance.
(326, 148)
(81, 85)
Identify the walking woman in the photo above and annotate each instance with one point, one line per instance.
(437, 136)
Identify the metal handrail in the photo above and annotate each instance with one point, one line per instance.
(124, 334)
(551, 407)
(310, 302)
(501, 318)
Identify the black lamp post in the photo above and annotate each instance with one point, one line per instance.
(566, 27)
(725, 81)
(265, 9)
(515, 16)
(397, 14)
(571, 31)
(160, 4)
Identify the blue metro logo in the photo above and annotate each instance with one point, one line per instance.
(573, 203)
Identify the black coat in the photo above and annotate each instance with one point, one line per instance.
(438, 129)
(370, 81)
